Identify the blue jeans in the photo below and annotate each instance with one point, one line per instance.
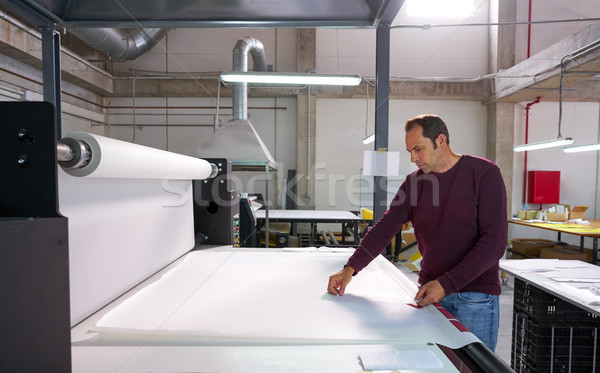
(478, 312)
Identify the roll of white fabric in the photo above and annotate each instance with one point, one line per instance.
(113, 158)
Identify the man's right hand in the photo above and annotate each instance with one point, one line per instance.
(337, 282)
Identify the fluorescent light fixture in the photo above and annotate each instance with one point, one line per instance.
(289, 78)
(559, 141)
(582, 148)
(544, 144)
(369, 139)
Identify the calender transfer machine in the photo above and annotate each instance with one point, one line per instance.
(104, 273)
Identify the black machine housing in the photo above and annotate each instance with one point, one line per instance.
(215, 207)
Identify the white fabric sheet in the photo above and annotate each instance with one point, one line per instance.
(540, 265)
(275, 295)
(121, 231)
(247, 358)
(572, 280)
(408, 359)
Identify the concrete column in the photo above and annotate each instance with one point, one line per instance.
(501, 123)
(305, 122)
(501, 118)
(502, 39)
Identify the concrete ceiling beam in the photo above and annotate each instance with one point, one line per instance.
(207, 87)
(541, 73)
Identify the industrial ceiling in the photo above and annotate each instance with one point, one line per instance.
(209, 13)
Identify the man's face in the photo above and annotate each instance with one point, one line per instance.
(421, 150)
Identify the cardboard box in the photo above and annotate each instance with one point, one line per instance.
(589, 253)
(408, 237)
(562, 252)
(578, 212)
(557, 216)
(529, 247)
(560, 208)
(528, 214)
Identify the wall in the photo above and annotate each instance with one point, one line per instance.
(339, 148)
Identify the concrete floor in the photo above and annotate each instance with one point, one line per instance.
(503, 348)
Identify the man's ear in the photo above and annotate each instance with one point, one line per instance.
(441, 139)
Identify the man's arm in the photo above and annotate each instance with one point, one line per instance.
(374, 242)
(380, 234)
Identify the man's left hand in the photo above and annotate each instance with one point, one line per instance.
(431, 292)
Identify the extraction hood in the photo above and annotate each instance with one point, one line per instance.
(238, 141)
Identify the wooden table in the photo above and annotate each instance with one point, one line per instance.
(592, 230)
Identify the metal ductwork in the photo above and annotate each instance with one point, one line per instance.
(240, 63)
(120, 44)
(237, 140)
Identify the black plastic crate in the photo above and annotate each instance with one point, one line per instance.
(544, 308)
(557, 347)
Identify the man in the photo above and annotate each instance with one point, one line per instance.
(457, 206)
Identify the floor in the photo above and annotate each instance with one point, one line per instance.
(503, 347)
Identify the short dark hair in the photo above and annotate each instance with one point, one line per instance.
(432, 126)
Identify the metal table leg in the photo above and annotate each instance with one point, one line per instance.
(595, 250)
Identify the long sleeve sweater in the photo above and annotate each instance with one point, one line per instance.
(459, 219)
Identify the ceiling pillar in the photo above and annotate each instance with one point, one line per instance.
(501, 116)
(306, 45)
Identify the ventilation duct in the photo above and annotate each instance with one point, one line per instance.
(120, 44)
(237, 140)
(240, 63)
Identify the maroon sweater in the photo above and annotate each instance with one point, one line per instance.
(459, 218)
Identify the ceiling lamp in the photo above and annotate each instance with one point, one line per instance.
(559, 141)
(268, 77)
(582, 148)
(369, 139)
(543, 144)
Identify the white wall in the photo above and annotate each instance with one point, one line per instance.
(339, 149)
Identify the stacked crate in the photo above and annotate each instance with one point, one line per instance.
(552, 335)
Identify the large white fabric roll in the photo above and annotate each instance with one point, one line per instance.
(113, 158)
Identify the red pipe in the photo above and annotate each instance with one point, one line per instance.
(527, 107)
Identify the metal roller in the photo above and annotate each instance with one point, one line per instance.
(72, 153)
